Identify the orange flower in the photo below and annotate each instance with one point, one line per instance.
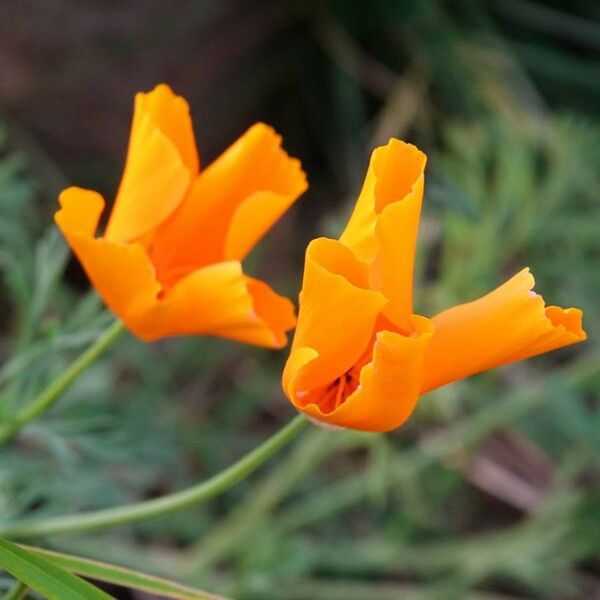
(360, 357)
(170, 259)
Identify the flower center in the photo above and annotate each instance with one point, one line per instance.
(338, 390)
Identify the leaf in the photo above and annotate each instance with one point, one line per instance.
(45, 577)
(121, 576)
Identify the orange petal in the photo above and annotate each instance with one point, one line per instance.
(395, 174)
(161, 161)
(230, 205)
(389, 384)
(80, 211)
(219, 300)
(336, 317)
(509, 324)
(171, 114)
(253, 219)
(121, 273)
(392, 268)
(384, 226)
(274, 311)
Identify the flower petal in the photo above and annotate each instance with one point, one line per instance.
(392, 268)
(384, 226)
(274, 311)
(171, 114)
(121, 273)
(231, 204)
(80, 211)
(395, 174)
(336, 318)
(389, 384)
(219, 300)
(253, 219)
(161, 161)
(509, 324)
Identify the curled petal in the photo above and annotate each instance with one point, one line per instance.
(171, 114)
(336, 317)
(509, 324)
(395, 174)
(298, 359)
(384, 225)
(389, 383)
(231, 204)
(161, 161)
(392, 268)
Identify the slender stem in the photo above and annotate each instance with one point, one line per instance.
(48, 396)
(17, 592)
(131, 513)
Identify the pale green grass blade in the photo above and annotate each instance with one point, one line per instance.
(45, 577)
(120, 576)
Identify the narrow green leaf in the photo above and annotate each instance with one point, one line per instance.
(120, 576)
(45, 577)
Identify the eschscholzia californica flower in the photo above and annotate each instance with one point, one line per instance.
(169, 261)
(360, 358)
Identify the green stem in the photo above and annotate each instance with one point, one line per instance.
(48, 396)
(131, 513)
(17, 592)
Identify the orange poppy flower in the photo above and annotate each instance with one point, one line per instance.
(170, 258)
(360, 358)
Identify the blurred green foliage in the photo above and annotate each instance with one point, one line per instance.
(491, 491)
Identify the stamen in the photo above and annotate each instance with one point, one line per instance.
(341, 388)
(337, 391)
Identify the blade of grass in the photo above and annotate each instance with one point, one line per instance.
(120, 576)
(49, 580)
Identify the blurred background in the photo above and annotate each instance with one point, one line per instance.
(491, 491)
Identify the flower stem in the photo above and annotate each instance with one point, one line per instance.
(131, 513)
(48, 396)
